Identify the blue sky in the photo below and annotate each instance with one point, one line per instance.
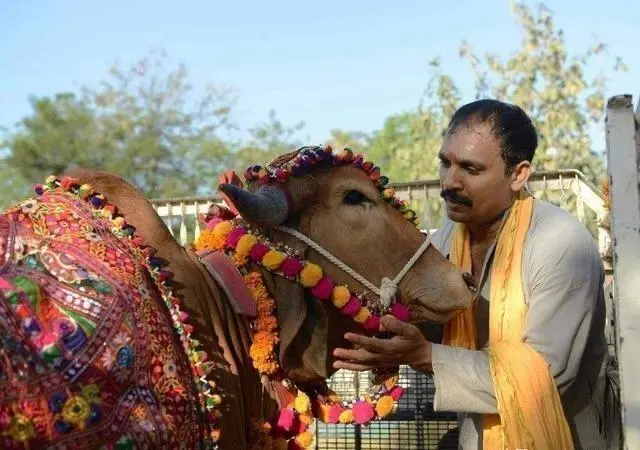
(334, 64)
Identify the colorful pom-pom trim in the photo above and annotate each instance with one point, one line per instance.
(309, 158)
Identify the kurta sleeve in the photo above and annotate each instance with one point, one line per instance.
(564, 277)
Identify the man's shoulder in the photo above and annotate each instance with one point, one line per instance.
(554, 230)
(553, 220)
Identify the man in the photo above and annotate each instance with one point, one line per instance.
(525, 366)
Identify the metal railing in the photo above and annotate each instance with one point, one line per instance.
(414, 425)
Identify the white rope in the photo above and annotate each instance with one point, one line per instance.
(388, 287)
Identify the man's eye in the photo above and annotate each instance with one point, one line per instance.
(472, 170)
(354, 198)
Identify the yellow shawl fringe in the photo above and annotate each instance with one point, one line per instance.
(530, 414)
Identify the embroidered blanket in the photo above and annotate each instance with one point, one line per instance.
(89, 357)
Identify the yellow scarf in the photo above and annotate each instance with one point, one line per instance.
(530, 414)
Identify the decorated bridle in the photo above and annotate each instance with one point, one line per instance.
(293, 164)
(246, 245)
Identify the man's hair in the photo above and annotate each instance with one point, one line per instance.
(509, 124)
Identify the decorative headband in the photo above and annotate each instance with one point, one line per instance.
(309, 158)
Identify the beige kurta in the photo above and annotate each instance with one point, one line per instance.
(563, 276)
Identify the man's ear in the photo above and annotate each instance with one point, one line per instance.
(520, 175)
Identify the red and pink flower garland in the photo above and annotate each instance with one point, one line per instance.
(245, 246)
(291, 426)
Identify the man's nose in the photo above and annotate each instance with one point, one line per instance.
(451, 180)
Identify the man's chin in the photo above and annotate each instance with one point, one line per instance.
(458, 212)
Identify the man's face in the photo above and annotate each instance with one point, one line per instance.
(472, 176)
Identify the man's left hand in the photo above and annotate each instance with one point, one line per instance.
(407, 347)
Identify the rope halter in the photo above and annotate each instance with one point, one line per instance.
(388, 287)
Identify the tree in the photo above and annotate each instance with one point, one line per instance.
(355, 140)
(552, 86)
(541, 77)
(266, 141)
(145, 123)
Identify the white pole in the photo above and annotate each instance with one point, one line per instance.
(622, 152)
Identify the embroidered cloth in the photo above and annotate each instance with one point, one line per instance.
(89, 356)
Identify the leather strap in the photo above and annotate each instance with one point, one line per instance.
(230, 280)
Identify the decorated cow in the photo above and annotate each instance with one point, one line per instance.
(113, 336)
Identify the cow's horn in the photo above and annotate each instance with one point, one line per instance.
(267, 207)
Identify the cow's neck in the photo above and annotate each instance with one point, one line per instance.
(214, 319)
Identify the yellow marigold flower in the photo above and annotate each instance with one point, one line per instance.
(302, 403)
(223, 228)
(323, 412)
(205, 240)
(340, 296)
(239, 260)
(306, 417)
(260, 350)
(305, 439)
(310, 275)
(245, 244)
(273, 259)
(268, 323)
(362, 315)
(346, 416)
(267, 337)
(384, 406)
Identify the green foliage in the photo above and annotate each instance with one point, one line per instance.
(146, 123)
(150, 125)
(266, 141)
(552, 86)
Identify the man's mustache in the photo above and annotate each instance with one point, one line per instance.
(454, 197)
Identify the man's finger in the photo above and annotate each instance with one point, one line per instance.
(352, 366)
(359, 355)
(370, 343)
(396, 326)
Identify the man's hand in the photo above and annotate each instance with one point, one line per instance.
(407, 347)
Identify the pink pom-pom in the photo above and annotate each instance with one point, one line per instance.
(334, 413)
(323, 289)
(287, 420)
(234, 236)
(352, 307)
(291, 267)
(4, 284)
(211, 223)
(363, 412)
(400, 312)
(372, 323)
(257, 252)
(396, 392)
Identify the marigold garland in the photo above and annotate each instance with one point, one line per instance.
(265, 326)
(291, 428)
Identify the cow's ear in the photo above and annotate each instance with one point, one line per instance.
(304, 328)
